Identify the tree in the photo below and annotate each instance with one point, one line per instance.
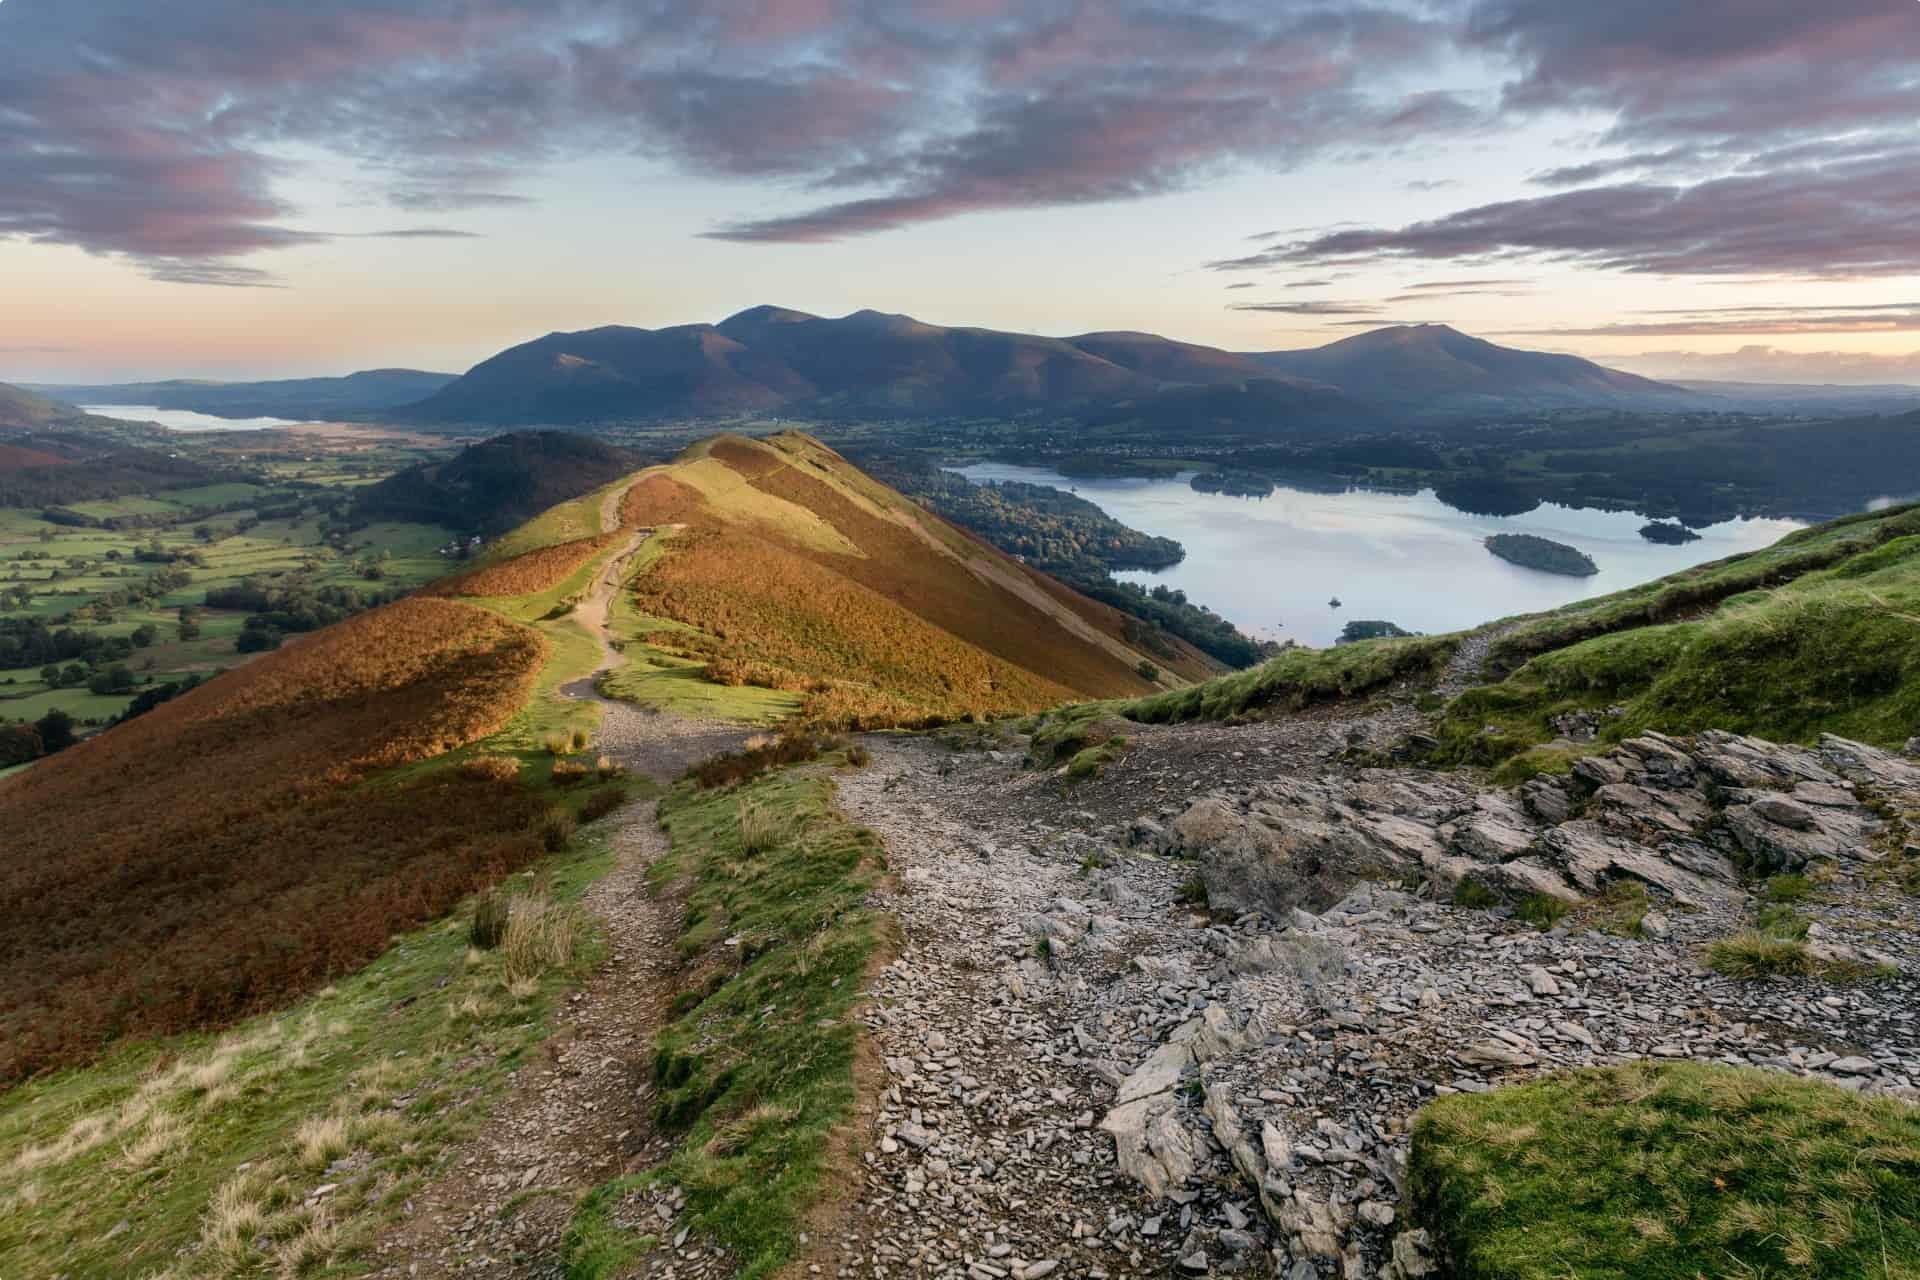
(144, 635)
(115, 679)
(1147, 671)
(19, 743)
(56, 731)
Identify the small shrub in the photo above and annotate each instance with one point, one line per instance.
(1787, 887)
(1753, 954)
(568, 772)
(1542, 910)
(540, 938)
(579, 739)
(557, 828)
(608, 767)
(759, 828)
(754, 760)
(1474, 896)
(554, 744)
(1192, 891)
(602, 802)
(858, 756)
(491, 768)
(489, 923)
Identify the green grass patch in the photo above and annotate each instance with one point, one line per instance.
(1669, 1172)
(194, 1155)
(1755, 954)
(1542, 910)
(1298, 678)
(755, 1069)
(1831, 646)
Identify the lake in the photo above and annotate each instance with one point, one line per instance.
(1272, 564)
(185, 419)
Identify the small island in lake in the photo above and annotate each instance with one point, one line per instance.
(1544, 554)
(1668, 535)
(1237, 484)
(1372, 629)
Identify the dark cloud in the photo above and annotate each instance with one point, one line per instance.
(1840, 222)
(1244, 284)
(157, 132)
(1319, 308)
(1733, 136)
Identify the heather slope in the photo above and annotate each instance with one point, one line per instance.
(789, 569)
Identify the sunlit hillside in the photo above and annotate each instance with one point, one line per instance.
(783, 567)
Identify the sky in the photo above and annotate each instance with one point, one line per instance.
(280, 188)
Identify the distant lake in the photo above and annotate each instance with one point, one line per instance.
(185, 419)
(1272, 564)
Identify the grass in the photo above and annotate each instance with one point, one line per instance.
(1669, 1172)
(1830, 644)
(1295, 680)
(755, 1068)
(195, 1155)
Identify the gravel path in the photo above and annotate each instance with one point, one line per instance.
(576, 1116)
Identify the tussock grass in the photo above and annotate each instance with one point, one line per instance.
(756, 1066)
(1669, 1172)
(1756, 953)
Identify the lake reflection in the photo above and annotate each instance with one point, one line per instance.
(184, 419)
(1272, 564)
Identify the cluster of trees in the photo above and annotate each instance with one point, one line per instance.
(29, 642)
(1078, 543)
(25, 743)
(1170, 610)
(1055, 531)
(277, 607)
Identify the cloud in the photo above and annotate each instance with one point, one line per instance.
(1846, 221)
(1244, 284)
(1769, 322)
(1320, 308)
(1762, 137)
(1757, 363)
(161, 134)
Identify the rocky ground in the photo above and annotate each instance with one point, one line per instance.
(1181, 1016)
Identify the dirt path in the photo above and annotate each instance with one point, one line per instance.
(576, 1114)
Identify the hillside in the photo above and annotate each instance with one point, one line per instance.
(498, 483)
(22, 410)
(786, 568)
(354, 394)
(1432, 366)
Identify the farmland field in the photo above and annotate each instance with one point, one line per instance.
(109, 578)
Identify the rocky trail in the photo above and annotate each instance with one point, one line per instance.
(576, 1115)
(1179, 1018)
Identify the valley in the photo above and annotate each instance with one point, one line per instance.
(868, 906)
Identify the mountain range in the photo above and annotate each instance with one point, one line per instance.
(777, 360)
